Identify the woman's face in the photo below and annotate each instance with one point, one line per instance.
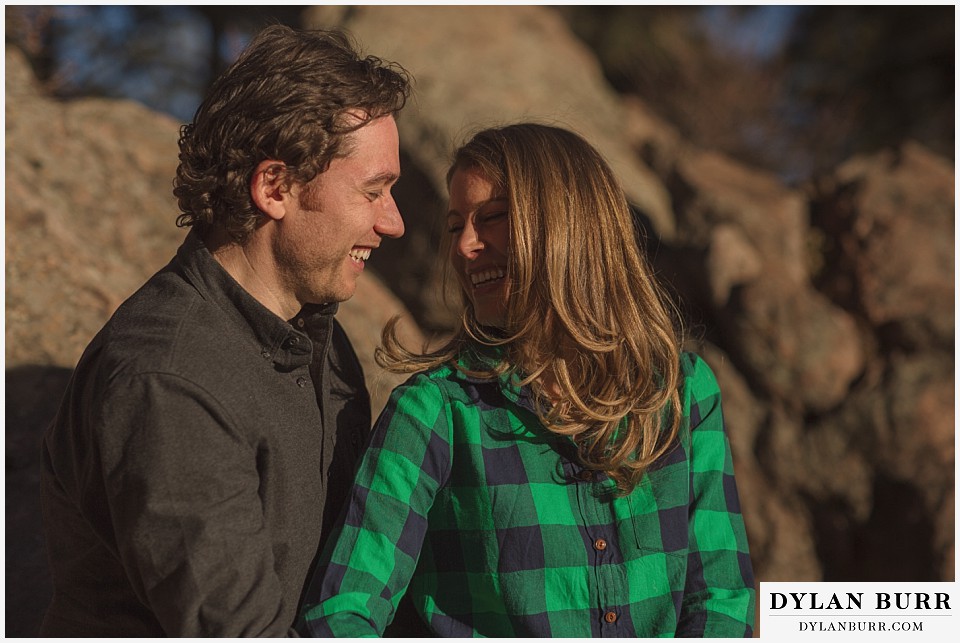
(479, 228)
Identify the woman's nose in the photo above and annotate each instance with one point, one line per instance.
(469, 243)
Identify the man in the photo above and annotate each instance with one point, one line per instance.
(210, 430)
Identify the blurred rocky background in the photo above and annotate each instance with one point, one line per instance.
(792, 171)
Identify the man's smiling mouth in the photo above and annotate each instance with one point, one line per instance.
(360, 254)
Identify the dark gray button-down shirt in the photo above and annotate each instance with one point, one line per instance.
(201, 449)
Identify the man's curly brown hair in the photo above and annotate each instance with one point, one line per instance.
(287, 97)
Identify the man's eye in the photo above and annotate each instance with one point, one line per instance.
(373, 196)
(454, 229)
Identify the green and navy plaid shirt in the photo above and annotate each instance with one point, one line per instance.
(485, 517)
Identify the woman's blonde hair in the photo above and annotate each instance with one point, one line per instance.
(583, 308)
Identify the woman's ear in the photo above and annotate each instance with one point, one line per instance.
(268, 188)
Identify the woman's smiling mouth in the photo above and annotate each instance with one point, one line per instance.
(483, 277)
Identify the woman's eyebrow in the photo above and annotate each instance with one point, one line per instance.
(482, 204)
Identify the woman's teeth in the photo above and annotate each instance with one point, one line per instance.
(484, 276)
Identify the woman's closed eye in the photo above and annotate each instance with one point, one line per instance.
(493, 216)
(456, 225)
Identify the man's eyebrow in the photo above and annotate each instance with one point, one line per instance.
(382, 178)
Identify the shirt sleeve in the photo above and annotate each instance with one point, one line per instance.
(367, 564)
(719, 596)
(182, 499)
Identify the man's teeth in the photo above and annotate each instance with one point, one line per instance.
(360, 255)
(487, 275)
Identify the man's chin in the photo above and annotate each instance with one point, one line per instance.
(346, 291)
(342, 292)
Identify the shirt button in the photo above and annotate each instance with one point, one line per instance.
(610, 617)
(265, 354)
(302, 382)
(300, 323)
(600, 544)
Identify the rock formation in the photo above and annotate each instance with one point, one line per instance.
(826, 309)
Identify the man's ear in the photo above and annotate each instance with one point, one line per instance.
(268, 188)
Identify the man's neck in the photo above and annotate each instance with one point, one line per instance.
(252, 266)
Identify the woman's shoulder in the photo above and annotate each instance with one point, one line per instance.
(459, 377)
(447, 376)
(696, 376)
(433, 377)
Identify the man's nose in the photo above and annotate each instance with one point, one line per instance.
(390, 221)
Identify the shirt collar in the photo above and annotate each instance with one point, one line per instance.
(276, 339)
(486, 357)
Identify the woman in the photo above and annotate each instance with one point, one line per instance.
(559, 468)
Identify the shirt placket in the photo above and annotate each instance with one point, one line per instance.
(609, 578)
(292, 355)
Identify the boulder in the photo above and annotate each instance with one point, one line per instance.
(889, 224)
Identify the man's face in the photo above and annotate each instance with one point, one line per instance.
(479, 225)
(340, 217)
